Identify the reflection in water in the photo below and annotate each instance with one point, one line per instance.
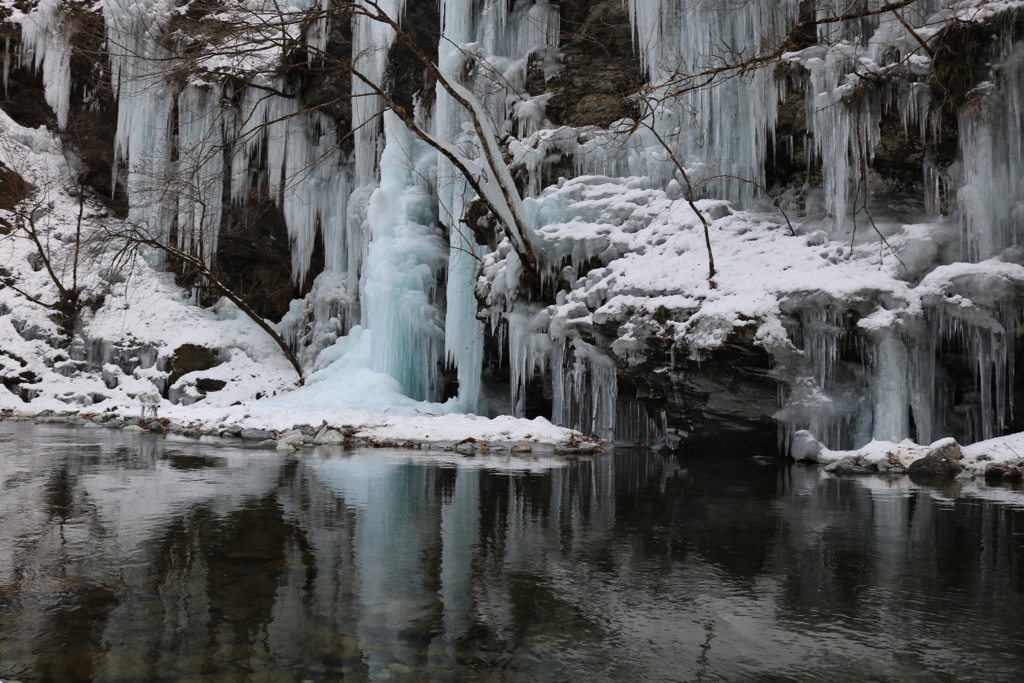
(127, 558)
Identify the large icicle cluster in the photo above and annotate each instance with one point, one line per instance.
(854, 303)
(46, 46)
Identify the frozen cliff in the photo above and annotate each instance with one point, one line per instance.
(644, 220)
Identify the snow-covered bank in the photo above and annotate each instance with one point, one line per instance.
(1001, 457)
(464, 434)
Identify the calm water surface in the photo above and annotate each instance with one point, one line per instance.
(127, 558)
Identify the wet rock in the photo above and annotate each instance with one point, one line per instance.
(934, 466)
(232, 430)
(268, 443)
(994, 471)
(522, 448)
(286, 446)
(46, 413)
(132, 429)
(763, 460)
(839, 466)
(255, 434)
(897, 470)
(965, 476)
(155, 428)
(114, 424)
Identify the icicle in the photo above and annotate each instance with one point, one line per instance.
(585, 386)
(45, 46)
(200, 170)
(633, 426)
(989, 201)
(719, 131)
(7, 63)
(371, 41)
(142, 141)
(529, 349)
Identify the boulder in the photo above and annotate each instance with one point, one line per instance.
(254, 434)
(156, 428)
(328, 436)
(841, 465)
(934, 466)
(805, 447)
(232, 430)
(948, 449)
(292, 436)
(132, 429)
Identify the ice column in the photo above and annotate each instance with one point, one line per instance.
(405, 257)
(891, 389)
(501, 44)
(463, 341)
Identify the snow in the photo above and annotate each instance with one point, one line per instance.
(145, 318)
(652, 283)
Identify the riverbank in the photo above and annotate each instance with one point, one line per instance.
(290, 430)
(998, 458)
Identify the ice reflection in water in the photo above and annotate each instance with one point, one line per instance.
(127, 558)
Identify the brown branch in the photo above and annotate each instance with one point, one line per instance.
(136, 237)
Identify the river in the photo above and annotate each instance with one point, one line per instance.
(145, 558)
